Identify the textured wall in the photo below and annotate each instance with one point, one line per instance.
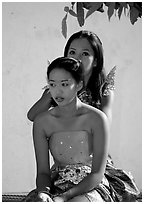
(31, 34)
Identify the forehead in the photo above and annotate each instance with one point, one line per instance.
(59, 74)
(81, 43)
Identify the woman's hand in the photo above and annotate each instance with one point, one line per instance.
(43, 197)
(58, 199)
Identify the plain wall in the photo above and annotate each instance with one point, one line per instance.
(31, 35)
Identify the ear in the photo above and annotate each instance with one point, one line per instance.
(95, 62)
(80, 86)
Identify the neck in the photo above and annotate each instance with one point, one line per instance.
(86, 79)
(69, 109)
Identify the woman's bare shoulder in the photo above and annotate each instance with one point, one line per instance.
(44, 122)
(91, 110)
(43, 117)
(94, 114)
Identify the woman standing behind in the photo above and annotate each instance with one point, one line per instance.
(87, 47)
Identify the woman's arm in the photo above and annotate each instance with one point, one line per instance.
(100, 152)
(106, 104)
(40, 106)
(42, 154)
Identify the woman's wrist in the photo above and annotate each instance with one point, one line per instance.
(45, 189)
(60, 198)
(66, 196)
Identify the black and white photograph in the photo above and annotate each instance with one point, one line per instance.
(71, 101)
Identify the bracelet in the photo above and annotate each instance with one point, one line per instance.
(46, 190)
(48, 198)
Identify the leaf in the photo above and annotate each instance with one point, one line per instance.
(72, 13)
(94, 7)
(87, 5)
(123, 4)
(66, 9)
(138, 6)
(107, 3)
(124, 11)
(130, 4)
(80, 13)
(117, 5)
(134, 14)
(120, 11)
(73, 3)
(125, 7)
(64, 26)
(111, 7)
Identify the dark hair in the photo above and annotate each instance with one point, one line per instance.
(98, 73)
(71, 65)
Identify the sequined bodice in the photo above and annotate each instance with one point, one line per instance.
(71, 147)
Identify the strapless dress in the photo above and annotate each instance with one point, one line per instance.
(71, 147)
(72, 152)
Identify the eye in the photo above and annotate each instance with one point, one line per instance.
(52, 85)
(71, 52)
(65, 84)
(85, 54)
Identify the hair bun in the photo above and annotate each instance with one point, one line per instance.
(77, 65)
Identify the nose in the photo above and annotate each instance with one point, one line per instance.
(78, 57)
(59, 91)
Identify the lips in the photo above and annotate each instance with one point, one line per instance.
(59, 99)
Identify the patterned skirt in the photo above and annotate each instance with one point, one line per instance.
(116, 186)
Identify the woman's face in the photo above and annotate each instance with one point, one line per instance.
(81, 49)
(63, 87)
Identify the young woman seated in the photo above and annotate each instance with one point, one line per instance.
(77, 136)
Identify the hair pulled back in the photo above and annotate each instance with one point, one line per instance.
(71, 65)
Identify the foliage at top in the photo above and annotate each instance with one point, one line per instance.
(82, 10)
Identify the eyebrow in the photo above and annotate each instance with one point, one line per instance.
(64, 80)
(72, 48)
(85, 49)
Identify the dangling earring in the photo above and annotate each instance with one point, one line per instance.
(80, 85)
